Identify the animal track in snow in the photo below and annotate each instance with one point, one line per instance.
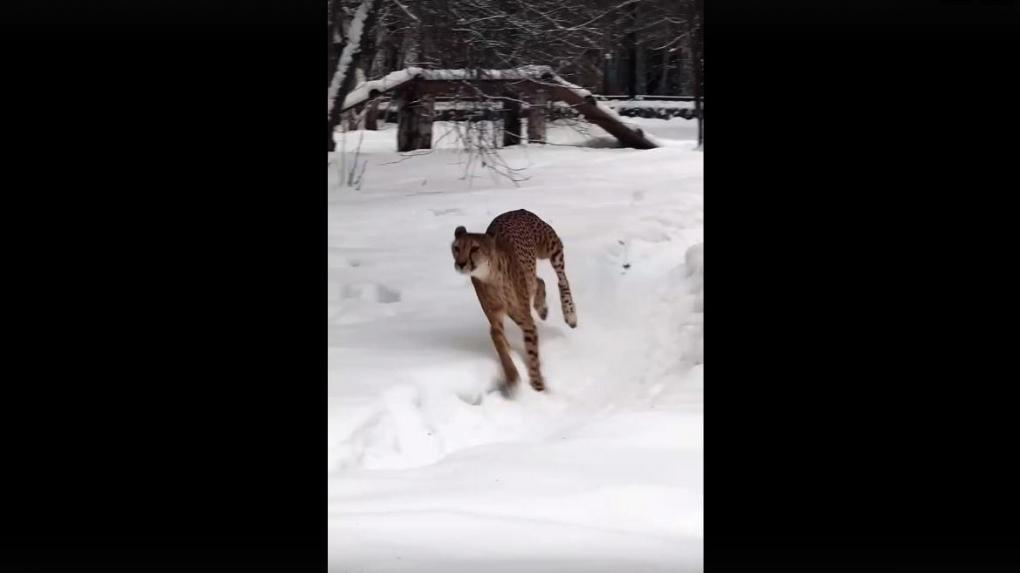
(372, 292)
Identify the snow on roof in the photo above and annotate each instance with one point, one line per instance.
(363, 91)
(539, 74)
(648, 104)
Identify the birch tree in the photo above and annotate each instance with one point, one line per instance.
(353, 39)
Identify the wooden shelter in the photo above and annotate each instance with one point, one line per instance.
(415, 91)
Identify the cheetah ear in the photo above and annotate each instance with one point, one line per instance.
(459, 231)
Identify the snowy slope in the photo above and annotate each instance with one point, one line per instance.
(429, 470)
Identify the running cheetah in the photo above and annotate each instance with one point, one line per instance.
(501, 263)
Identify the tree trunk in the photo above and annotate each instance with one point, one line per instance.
(699, 79)
(394, 49)
(605, 73)
(419, 39)
(631, 43)
(641, 82)
(409, 49)
(342, 78)
(332, 29)
(335, 29)
(369, 50)
(377, 67)
(664, 78)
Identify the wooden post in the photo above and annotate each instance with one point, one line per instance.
(372, 115)
(536, 118)
(496, 124)
(511, 121)
(408, 123)
(426, 111)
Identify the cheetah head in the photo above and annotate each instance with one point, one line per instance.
(471, 253)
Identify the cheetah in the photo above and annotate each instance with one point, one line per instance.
(501, 263)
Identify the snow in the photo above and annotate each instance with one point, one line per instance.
(430, 469)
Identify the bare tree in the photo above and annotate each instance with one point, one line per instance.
(696, 35)
(354, 37)
(653, 45)
(571, 36)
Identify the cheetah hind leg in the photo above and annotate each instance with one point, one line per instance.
(539, 303)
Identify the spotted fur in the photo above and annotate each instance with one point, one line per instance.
(502, 264)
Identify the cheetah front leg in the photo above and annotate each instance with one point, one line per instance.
(494, 313)
(527, 325)
(503, 349)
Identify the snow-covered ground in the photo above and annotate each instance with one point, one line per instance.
(430, 469)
